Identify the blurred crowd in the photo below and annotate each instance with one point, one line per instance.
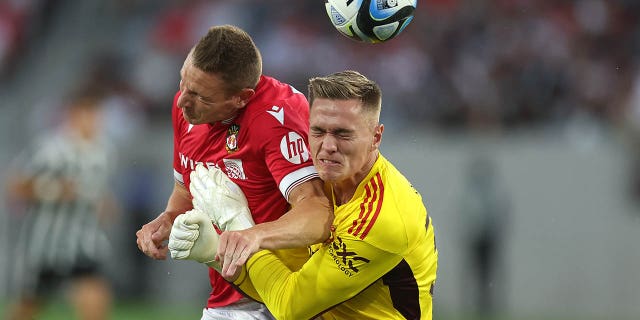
(497, 64)
(493, 66)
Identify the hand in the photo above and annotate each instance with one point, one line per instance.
(220, 198)
(234, 249)
(194, 238)
(151, 236)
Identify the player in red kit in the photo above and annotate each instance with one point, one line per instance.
(254, 128)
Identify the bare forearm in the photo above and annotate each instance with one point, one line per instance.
(151, 236)
(179, 202)
(308, 222)
(305, 224)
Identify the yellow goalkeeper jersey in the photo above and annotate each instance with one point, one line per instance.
(380, 263)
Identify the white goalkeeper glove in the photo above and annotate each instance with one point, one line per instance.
(194, 238)
(220, 198)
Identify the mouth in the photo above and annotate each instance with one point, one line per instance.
(328, 162)
(188, 115)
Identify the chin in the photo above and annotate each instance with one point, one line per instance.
(327, 177)
(192, 121)
(324, 176)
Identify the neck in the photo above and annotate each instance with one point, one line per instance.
(344, 190)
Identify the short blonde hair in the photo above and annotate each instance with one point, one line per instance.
(347, 85)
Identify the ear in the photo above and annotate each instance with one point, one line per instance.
(244, 96)
(377, 136)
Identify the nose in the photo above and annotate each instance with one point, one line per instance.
(183, 100)
(329, 143)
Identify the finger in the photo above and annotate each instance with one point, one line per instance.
(211, 180)
(142, 246)
(237, 254)
(228, 266)
(161, 234)
(229, 271)
(194, 218)
(153, 252)
(201, 171)
(196, 187)
(222, 247)
(239, 260)
(242, 257)
(139, 240)
(219, 178)
(182, 234)
(204, 180)
(161, 252)
(155, 245)
(198, 173)
(141, 236)
(186, 222)
(179, 254)
(198, 203)
(145, 242)
(228, 257)
(180, 245)
(232, 267)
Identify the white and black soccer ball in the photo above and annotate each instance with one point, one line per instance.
(370, 20)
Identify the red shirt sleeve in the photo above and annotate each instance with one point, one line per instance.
(283, 135)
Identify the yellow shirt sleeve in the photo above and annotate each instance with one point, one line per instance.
(335, 273)
(293, 259)
(244, 285)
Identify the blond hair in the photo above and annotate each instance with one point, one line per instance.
(347, 85)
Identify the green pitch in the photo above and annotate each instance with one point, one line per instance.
(121, 310)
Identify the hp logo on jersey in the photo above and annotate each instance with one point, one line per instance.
(293, 148)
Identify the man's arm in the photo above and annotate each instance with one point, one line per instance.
(151, 237)
(308, 222)
(335, 273)
(327, 279)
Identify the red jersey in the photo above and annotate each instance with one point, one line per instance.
(263, 149)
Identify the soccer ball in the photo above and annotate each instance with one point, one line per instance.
(370, 20)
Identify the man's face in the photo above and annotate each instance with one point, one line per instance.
(203, 98)
(343, 140)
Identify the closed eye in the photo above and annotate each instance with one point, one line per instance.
(343, 134)
(316, 132)
(204, 100)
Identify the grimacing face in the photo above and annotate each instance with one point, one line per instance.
(343, 141)
(202, 96)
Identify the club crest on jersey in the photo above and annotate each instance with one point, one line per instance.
(346, 260)
(232, 138)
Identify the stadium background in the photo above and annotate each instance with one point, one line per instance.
(546, 92)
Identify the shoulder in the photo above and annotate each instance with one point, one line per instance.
(272, 96)
(401, 194)
(389, 210)
(276, 105)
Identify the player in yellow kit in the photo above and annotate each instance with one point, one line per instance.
(381, 260)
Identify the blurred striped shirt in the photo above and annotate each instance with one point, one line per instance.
(62, 233)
